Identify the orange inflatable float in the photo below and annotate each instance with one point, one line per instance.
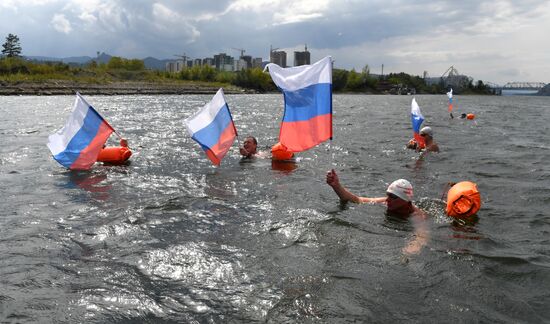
(280, 152)
(114, 154)
(463, 200)
(470, 116)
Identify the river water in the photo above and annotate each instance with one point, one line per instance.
(170, 238)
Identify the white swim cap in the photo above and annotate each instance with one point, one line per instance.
(426, 130)
(402, 189)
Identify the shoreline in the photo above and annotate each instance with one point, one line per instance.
(61, 87)
(65, 87)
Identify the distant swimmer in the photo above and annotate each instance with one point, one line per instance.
(427, 134)
(427, 143)
(123, 142)
(398, 203)
(468, 116)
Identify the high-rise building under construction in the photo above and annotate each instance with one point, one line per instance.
(302, 58)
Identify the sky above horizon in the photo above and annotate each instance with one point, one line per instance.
(495, 41)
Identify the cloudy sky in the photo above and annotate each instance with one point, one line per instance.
(496, 41)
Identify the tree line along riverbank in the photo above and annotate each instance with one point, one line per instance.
(129, 76)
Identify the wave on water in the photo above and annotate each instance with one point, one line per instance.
(171, 238)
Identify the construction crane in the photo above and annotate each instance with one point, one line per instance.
(451, 72)
(242, 50)
(184, 57)
(453, 79)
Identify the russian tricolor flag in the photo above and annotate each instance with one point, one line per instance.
(77, 145)
(450, 95)
(213, 128)
(307, 90)
(416, 119)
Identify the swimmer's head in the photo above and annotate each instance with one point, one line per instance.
(426, 131)
(250, 144)
(402, 189)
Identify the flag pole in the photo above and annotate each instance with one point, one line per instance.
(331, 153)
(238, 142)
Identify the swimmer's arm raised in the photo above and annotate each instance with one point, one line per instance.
(346, 195)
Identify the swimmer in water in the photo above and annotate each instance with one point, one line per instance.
(427, 134)
(250, 148)
(398, 201)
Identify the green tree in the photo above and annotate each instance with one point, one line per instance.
(194, 72)
(225, 77)
(92, 65)
(134, 65)
(13, 65)
(253, 79)
(366, 70)
(355, 81)
(339, 79)
(119, 63)
(115, 63)
(208, 73)
(12, 48)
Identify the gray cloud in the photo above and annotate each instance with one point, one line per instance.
(492, 36)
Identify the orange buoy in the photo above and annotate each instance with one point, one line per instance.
(114, 154)
(463, 200)
(280, 152)
(470, 116)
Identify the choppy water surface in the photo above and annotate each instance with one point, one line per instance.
(170, 238)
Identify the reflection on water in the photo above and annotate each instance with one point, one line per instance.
(284, 166)
(219, 184)
(466, 228)
(90, 181)
(171, 238)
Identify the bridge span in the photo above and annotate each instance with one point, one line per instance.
(516, 86)
(524, 86)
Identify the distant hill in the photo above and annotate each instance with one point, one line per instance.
(103, 58)
(155, 64)
(149, 62)
(74, 59)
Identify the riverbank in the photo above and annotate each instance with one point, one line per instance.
(111, 88)
(64, 87)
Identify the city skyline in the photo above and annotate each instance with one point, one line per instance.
(497, 41)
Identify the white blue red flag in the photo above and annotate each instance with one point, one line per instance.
(450, 95)
(307, 91)
(213, 128)
(417, 119)
(77, 145)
